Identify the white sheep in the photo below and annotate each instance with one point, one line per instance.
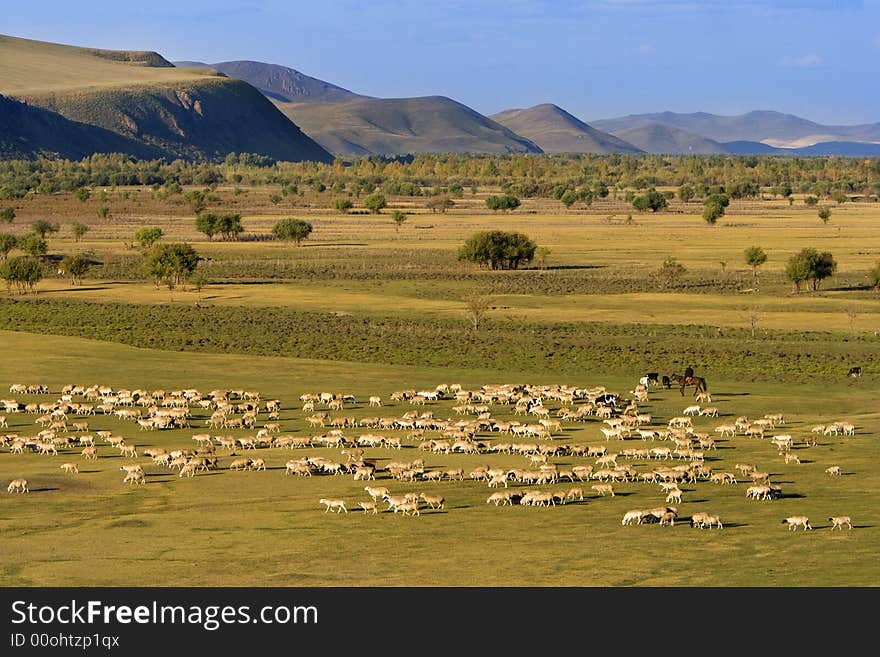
(335, 505)
(839, 521)
(18, 486)
(797, 521)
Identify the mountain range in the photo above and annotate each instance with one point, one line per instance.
(69, 101)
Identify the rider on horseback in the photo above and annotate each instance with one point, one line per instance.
(688, 374)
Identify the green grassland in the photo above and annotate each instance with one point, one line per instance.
(265, 528)
(365, 309)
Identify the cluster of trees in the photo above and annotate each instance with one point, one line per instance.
(498, 249)
(504, 202)
(292, 230)
(652, 200)
(226, 225)
(810, 267)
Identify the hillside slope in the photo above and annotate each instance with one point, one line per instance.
(27, 131)
(192, 113)
(662, 139)
(388, 126)
(285, 84)
(556, 131)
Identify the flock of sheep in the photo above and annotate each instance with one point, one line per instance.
(669, 454)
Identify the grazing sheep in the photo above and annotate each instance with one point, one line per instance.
(834, 471)
(797, 521)
(335, 505)
(377, 493)
(668, 518)
(408, 508)
(368, 507)
(433, 501)
(70, 468)
(632, 516)
(839, 521)
(501, 498)
(603, 488)
(18, 486)
(674, 496)
(257, 464)
(240, 464)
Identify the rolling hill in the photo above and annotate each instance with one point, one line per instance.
(153, 106)
(389, 126)
(556, 131)
(662, 139)
(346, 123)
(773, 128)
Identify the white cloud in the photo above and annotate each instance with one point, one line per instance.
(805, 61)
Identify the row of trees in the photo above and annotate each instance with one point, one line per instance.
(533, 175)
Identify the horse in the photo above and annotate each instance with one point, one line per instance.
(698, 382)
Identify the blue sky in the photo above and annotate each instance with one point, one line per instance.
(596, 58)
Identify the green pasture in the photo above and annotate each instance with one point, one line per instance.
(265, 528)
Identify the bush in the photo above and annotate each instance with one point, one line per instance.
(498, 249)
(33, 245)
(342, 204)
(75, 266)
(652, 200)
(147, 236)
(295, 230)
(171, 263)
(8, 241)
(7, 215)
(670, 271)
(504, 203)
(375, 202)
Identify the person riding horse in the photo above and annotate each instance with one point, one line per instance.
(688, 374)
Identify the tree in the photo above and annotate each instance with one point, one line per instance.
(755, 257)
(652, 200)
(275, 199)
(8, 242)
(147, 236)
(498, 249)
(753, 318)
(852, 313)
(22, 272)
(504, 203)
(670, 271)
(808, 265)
(83, 194)
(811, 200)
(42, 227)
(873, 275)
(375, 202)
(7, 215)
(343, 204)
(33, 245)
(686, 193)
(103, 212)
(840, 198)
(569, 198)
(229, 226)
(712, 213)
(171, 263)
(477, 306)
(825, 215)
(207, 223)
(78, 230)
(398, 217)
(75, 266)
(295, 230)
(196, 200)
(440, 204)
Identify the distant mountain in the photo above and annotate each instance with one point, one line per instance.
(151, 106)
(389, 126)
(662, 139)
(286, 84)
(556, 131)
(27, 132)
(751, 148)
(774, 128)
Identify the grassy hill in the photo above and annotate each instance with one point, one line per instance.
(658, 138)
(192, 113)
(431, 124)
(557, 131)
(27, 131)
